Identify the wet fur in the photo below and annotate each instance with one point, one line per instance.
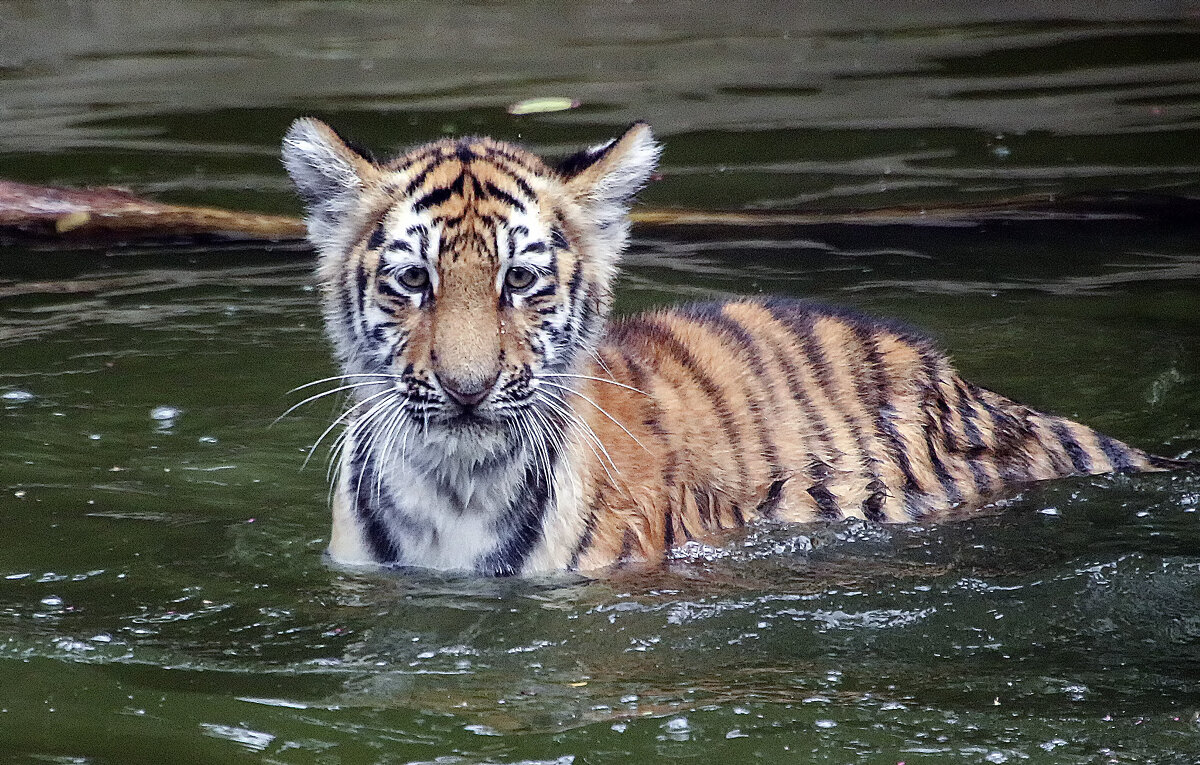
(601, 442)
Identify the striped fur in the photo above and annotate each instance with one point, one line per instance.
(499, 423)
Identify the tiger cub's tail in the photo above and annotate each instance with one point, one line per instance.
(1010, 443)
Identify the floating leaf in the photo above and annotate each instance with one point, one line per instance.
(72, 221)
(542, 105)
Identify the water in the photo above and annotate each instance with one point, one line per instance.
(164, 597)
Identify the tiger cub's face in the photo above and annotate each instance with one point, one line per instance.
(468, 274)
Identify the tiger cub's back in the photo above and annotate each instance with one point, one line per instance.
(782, 409)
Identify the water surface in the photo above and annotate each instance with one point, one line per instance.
(163, 595)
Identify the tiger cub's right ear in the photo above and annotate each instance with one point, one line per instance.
(328, 173)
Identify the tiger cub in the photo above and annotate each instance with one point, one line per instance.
(500, 423)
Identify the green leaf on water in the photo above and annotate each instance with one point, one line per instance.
(542, 105)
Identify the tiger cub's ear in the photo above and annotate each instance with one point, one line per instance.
(604, 178)
(328, 173)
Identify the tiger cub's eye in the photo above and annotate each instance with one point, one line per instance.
(414, 278)
(518, 278)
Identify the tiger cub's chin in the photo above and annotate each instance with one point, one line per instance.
(499, 423)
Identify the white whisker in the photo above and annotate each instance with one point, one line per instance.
(384, 375)
(599, 409)
(294, 407)
(364, 422)
(339, 420)
(590, 438)
(597, 379)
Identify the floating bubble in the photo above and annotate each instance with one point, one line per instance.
(166, 415)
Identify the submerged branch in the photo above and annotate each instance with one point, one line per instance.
(53, 213)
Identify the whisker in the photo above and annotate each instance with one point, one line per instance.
(338, 421)
(385, 375)
(601, 410)
(294, 407)
(540, 434)
(597, 379)
(373, 435)
(596, 355)
(591, 439)
(550, 431)
(390, 428)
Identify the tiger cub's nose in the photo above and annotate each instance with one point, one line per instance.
(466, 393)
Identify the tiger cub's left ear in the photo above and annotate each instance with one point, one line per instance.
(604, 178)
(328, 173)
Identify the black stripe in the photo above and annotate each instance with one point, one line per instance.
(422, 240)
(1012, 435)
(345, 299)
(876, 392)
(704, 507)
(770, 503)
(360, 294)
(504, 196)
(932, 402)
(873, 504)
(1017, 437)
(521, 184)
(938, 373)
(573, 326)
(382, 547)
(975, 444)
(653, 416)
(1079, 458)
(668, 532)
(511, 240)
(827, 506)
(378, 237)
(574, 283)
(588, 536)
(743, 341)
(627, 540)
(558, 238)
(420, 177)
(518, 160)
(501, 163)
(803, 325)
(387, 289)
(589, 312)
(818, 471)
(438, 196)
(739, 520)
(662, 336)
(523, 520)
(1120, 455)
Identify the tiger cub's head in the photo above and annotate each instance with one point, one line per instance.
(468, 274)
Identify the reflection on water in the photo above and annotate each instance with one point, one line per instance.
(163, 588)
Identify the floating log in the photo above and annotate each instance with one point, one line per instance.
(55, 212)
(70, 215)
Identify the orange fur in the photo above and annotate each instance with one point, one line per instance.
(503, 425)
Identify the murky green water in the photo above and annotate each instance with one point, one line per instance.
(163, 597)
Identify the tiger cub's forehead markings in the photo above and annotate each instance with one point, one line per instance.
(472, 196)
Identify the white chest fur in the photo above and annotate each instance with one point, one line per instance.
(437, 507)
